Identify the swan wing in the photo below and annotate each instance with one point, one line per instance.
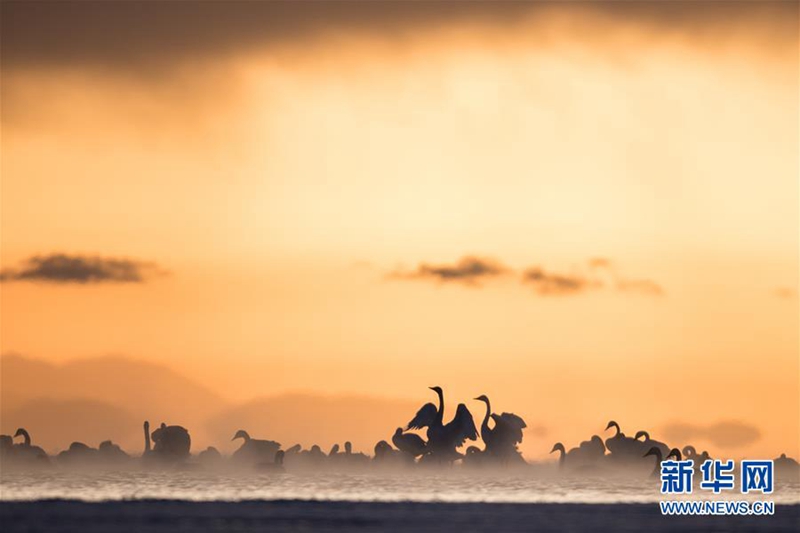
(462, 427)
(513, 420)
(508, 428)
(424, 417)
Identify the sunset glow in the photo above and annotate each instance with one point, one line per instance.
(302, 204)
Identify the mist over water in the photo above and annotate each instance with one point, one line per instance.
(396, 486)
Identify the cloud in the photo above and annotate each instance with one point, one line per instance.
(124, 37)
(644, 286)
(786, 293)
(548, 283)
(603, 266)
(468, 270)
(63, 268)
(598, 273)
(724, 434)
(537, 431)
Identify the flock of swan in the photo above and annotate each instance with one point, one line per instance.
(426, 439)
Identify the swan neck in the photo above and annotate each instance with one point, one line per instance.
(440, 411)
(488, 414)
(146, 437)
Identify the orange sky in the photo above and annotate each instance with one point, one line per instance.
(281, 184)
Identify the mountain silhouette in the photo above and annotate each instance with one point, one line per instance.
(54, 424)
(95, 388)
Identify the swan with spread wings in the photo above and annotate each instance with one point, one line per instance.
(444, 439)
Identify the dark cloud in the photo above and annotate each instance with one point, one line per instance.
(468, 270)
(128, 36)
(549, 283)
(537, 431)
(724, 434)
(62, 268)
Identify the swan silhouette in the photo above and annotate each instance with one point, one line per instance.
(474, 457)
(409, 443)
(171, 443)
(621, 447)
(689, 452)
(786, 468)
(648, 443)
(443, 439)
(297, 448)
(656, 452)
(587, 453)
(315, 455)
(254, 450)
(276, 466)
(78, 452)
(6, 446)
(354, 458)
(501, 440)
(210, 456)
(386, 455)
(111, 453)
(26, 450)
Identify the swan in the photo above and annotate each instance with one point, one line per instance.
(315, 454)
(26, 450)
(444, 439)
(297, 448)
(474, 457)
(648, 443)
(276, 466)
(689, 452)
(210, 456)
(409, 443)
(501, 441)
(6, 445)
(621, 447)
(354, 458)
(656, 451)
(110, 452)
(562, 458)
(148, 452)
(386, 455)
(587, 453)
(254, 450)
(171, 443)
(594, 447)
(78, 452)
(786, 468)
